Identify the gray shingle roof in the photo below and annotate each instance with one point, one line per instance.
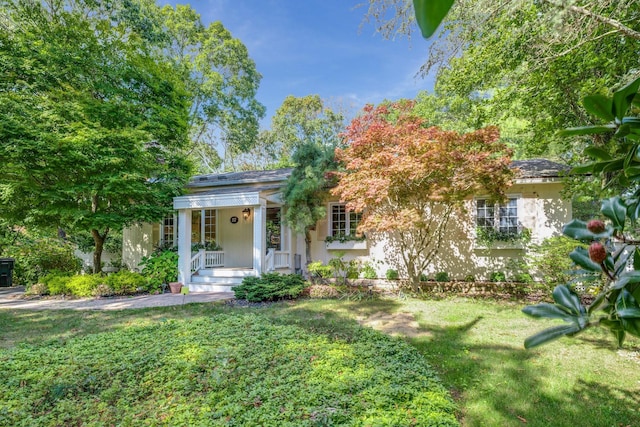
(237, 178)
(539, 168)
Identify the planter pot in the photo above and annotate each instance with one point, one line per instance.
(175, 287)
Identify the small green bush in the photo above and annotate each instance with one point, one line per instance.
(424, 277)
(392, 274)
(161, 267)
(126, 282)
(551, 261)
(35, 258)
(270, 287)
(319, 270)
(84, 285)
(56, 283)
(442, 276)
(469, 278)
(523, 278)
(497, 276)
(38, 289)
(368, 272)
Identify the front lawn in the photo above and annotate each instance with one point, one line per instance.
(204, 365)
(310, 363)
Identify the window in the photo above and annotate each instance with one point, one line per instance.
(342, 222)
(209, 225)
(498, 220)
(168, 234)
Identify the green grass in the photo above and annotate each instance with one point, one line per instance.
(309, 363)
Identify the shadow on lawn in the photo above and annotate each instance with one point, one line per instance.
(509, 383)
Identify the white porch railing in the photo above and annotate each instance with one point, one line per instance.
(281, 260)
(276, 259)
(206, 259)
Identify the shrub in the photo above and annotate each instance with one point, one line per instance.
(319, 270)
(126, 282)
(103, 290)
(523, 278)
(56, 283)
(270, 287)
(442, 276)
(497, 276)
(39, 257)
(84, 285)
(424, 277)
(551, 261)
(368, 272)
(469, 278)
(392, 274)
(322, 291)
(161, 267)
(37, 289)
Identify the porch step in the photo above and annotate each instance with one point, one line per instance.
(216, 280)
(226, 272)
(211, 287)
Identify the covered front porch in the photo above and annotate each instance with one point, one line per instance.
(226, 235)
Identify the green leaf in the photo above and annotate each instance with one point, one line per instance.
(550, 311)
(587, 130)
(563, 296)
(583, 169)
(622, 98)
(430, 13)
(615, 209)
(623, 131)
(550, 334)
(615, 326)
(600, 106)
(581, 257)
(597, 153)
(627, 306)
(577, 229)
(614, 165)
(597, 302)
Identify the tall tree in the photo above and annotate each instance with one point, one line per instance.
(529, 60)
(309, 130)
(408, 179)
(299, 121)
(93, 120)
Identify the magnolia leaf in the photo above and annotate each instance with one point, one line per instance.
(623, 131)
(626, 278)
(615, 326)
(622, 98)
(587, 130)
(550, 334)
(577, 229)
(430, 13)
(597, 302)
(550, 311)
(581, 257)
(615, 209)
(627, 306)
(563, 296)
(613, 165)
(584, 169)
(597, 153)
(600, 106)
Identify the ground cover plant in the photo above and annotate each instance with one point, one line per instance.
(169, 366)
(208, 365)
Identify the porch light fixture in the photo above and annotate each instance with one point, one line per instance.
(246, 213)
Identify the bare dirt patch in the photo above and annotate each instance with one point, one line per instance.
(403, 324)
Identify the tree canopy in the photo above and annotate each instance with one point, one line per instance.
(93, 121)
(407, 178)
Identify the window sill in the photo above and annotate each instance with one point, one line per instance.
(348, 245)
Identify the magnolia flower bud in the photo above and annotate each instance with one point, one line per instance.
(597, 252)
(595, 226)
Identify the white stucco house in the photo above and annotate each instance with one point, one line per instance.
(241, 212)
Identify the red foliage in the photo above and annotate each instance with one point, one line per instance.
(396, 168)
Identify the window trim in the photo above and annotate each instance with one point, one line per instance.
(499, 244)
(347, 221)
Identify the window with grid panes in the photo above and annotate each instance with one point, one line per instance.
(343, 222)
(502, 218)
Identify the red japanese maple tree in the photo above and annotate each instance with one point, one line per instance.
(407, 179)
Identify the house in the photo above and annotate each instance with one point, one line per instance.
(229, 226)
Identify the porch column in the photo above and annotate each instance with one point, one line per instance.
(184, 246)
(259, 227)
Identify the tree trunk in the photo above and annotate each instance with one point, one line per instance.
(98, 240)
(307, 245)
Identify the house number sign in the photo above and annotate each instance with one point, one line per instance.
(234, 220)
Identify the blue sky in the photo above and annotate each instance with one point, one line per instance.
(304, 47)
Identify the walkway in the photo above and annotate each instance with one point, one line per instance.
(13, 298)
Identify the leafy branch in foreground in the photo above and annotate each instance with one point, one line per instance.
(611, 264)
